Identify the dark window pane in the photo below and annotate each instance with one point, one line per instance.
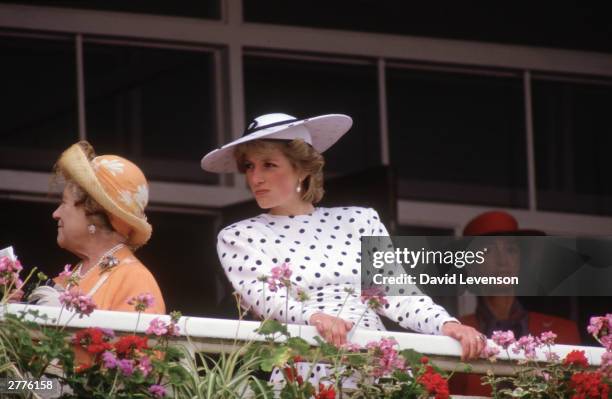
(306, 88)
(38, 102)
(409, 230)
(573, 137)
(209, 9)
(30, 229)
(574, 26)
(457, 137)
(183, 257)
(154, 106)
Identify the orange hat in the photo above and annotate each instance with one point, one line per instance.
(496, 223)
(117, 185)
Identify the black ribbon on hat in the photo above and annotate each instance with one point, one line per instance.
(254, 127)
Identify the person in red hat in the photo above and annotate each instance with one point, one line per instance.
(502, 311)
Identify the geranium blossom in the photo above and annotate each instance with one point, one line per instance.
(503, 338)
(280, 277)
(528, 345)
(548, 338)
(141, 302)
(374, 297)
(434, 383)
(158, 327)
(129, 344)
(326, 392)
(75, 300)
(109, 359)
(386, 359)
(576, 358)
(157, 390)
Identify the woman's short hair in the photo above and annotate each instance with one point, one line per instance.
(300, 154)
(95, 212)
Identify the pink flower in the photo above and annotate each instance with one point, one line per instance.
(548, 338)
(606, 364)
(109, 359)
(159, 327)
(144, 365)
(141, 302)
(126, 366)
(351, 347)
(75, 300)
(503, 338)
(385, 356)
(67, 272)
(9, 273)
(280, 277)
(157, 390)
(374, 297)
(528, 345)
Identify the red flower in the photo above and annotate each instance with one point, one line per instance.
(130, 343)
(434, 383)
(291, 375)
(576, 358)
(589, 385)
(88, 336)
(96, 349)
(424, 360)
(326, 392)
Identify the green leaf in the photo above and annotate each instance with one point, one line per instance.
(412, 357)
(278, 358)
(271, 327)
(299, 345)
(261, 388)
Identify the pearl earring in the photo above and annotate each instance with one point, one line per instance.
(92, 229)
(299, 187)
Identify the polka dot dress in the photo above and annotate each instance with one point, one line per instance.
(323, 250)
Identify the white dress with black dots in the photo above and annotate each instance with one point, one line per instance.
(323, 249)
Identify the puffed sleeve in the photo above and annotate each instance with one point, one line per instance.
(246, 255)
(415, 311)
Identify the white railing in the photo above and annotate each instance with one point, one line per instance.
(202, 334)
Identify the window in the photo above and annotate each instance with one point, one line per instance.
(154, 106)
(574, 26)
(187, 269)
(209, 9)
(573, 137)
(38, 102)
(305, 88)
(457, 137)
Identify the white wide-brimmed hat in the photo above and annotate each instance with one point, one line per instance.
(321, 132)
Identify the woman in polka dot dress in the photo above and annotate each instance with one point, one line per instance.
(281, 158)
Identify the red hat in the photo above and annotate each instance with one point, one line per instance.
(496, 223)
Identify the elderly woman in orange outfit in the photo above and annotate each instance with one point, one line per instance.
(101, 220)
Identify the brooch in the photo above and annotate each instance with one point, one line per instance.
(108, 262)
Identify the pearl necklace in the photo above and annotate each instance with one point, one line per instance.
(106, 256)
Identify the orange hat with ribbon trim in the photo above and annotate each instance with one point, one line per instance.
(115, 183)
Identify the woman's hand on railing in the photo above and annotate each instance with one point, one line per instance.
(472, 342)
(332, 329)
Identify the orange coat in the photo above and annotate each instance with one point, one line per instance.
(126, 280)
(566, 330)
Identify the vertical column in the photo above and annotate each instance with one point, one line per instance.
(80, 85)
(531, 177)
(233, 14)
(382, 111)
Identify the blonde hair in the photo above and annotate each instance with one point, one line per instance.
(95, 213)
(302, 157)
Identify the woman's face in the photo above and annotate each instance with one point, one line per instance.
(71, 222)
(273, 180)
